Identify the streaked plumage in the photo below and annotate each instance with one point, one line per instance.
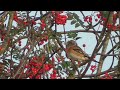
(74, 52)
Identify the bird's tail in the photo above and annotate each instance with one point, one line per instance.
(95, 61)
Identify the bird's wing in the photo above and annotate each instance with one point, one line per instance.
(79, 50)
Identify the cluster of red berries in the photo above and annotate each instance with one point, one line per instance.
(107, 76)
(44, 39)
(93, 68)
(99, 15)
(88, 19)
(43, 25)
(35, 67)
(22, 21)
(53, 75)
(110, 26)
(59, 19)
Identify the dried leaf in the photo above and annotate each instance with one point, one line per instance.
(73, 22)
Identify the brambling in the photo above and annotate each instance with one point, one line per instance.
(74, 52)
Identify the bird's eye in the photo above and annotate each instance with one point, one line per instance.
(86, 56)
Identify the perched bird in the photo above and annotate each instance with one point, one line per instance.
(74, 52)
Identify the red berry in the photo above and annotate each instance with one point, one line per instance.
(53, 12)
(42, 21)
(85, 20)
(96, 20)
(93, 67)
(30, 76)
(27, 66)
(114, 28)
(46, 38)
(50, 66)
(19, 43)
(104, 19)
(53, 60)
(94, 56)
(2, 38)
(1, 48)
(27, 47)
(38, 77)
(58, 59)
(25, 23)
(98, 15)
(34, 70)
(107, 76)
(33, 22)
(15, 17)
(87, 17)
(84, 45)
(43, 25)
(109, 26)
(39, 64)
(90, 19)
(46, 67)
(34, 58)
(53, 76)
(60, 19)
(54, 71)
(41, 42)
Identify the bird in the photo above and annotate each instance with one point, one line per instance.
(74, 52)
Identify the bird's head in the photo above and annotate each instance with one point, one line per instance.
(71, 43)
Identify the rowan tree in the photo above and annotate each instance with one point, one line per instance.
(32, 46)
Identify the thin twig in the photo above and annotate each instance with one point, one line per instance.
(83, 30)
(101, 73)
